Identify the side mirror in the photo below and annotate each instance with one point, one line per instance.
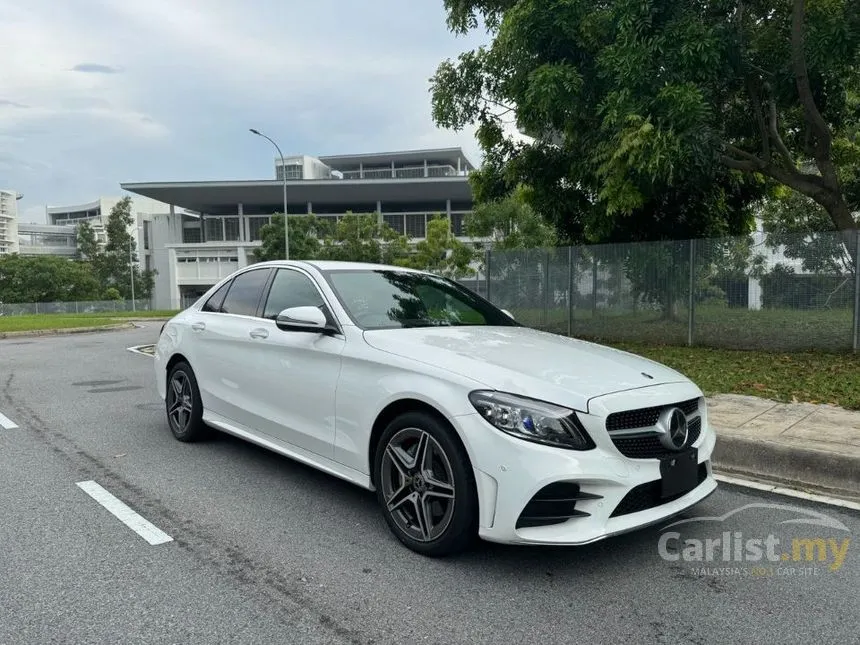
(508, 313)
(302, 319)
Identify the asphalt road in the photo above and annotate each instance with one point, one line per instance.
(265, 550)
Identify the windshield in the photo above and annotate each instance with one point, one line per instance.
(389, 299)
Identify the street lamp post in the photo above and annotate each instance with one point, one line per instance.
(284, 175)
(131, 271)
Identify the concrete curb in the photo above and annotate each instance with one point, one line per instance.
(63, 332)
(830, 472)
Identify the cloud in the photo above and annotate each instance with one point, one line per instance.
(96, 68)
(179, 84)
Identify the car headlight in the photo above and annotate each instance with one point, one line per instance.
(532, 420)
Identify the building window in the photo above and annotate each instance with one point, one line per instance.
(191, 235)
(146, 226)
(214, 229)
(457, 224)
(254, 226)
(395, 222)
(416, 224)
(231, 229)
(294, 171)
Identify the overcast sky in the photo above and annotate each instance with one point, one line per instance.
(98, 92)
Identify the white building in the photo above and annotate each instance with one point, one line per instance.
(47, 239)
(9, 221)
(211, 228)
(96, 213)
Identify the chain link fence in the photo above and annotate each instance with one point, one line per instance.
(80, 307)
(777, 293)
(792, 292)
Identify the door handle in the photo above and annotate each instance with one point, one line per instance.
(198, 326)
(259, 333)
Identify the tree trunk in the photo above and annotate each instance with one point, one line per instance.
(843, 220)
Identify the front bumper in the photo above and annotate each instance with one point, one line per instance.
(619, 491)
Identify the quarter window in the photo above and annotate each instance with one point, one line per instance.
(213, 305)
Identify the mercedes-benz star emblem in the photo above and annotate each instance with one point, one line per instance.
(673, 429)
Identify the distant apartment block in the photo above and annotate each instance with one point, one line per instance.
(9, 221)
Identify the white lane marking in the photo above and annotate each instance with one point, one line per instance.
(124, 514)
(145, 350)
(7, 423)
(788, 492)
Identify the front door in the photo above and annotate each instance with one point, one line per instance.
(295, 372)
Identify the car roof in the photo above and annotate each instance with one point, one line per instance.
(335, 265)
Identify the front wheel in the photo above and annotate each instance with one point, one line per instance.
(426, 486)
(183, 404)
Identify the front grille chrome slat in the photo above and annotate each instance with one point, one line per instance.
(636, 435)
(646, 417)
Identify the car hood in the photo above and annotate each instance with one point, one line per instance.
(526, 361)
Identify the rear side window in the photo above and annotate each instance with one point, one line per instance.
(244, 295)
(217, 299)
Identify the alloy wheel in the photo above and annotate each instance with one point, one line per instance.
(180, 401)
(418, 484)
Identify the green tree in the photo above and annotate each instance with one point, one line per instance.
(115, 264)
(362, 238)
(510, 223)
(632, 102)
(46, 278)
(306, 234)
(441, 252)
(88, 245)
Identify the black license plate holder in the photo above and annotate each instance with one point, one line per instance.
(679, 474)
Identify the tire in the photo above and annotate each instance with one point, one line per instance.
(186, 420)
(444, 489)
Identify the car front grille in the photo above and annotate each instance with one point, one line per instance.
(647, 495)
(645, 417)
(649, 446)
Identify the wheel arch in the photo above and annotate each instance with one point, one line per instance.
(394, 410)
(176, 358)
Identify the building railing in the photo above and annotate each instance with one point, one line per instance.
(227, 228)
(403, 172)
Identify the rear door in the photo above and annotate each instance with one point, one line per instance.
(221, 339)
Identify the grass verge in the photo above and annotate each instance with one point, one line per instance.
(43, 322)
(56, 321)
(810, 377)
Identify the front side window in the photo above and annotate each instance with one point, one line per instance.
(291, 289)
(244, 295)
(389, 299)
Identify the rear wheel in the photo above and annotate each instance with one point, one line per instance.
(183, 404)
(426, 486)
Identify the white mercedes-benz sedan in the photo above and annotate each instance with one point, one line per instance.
(464, 422)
